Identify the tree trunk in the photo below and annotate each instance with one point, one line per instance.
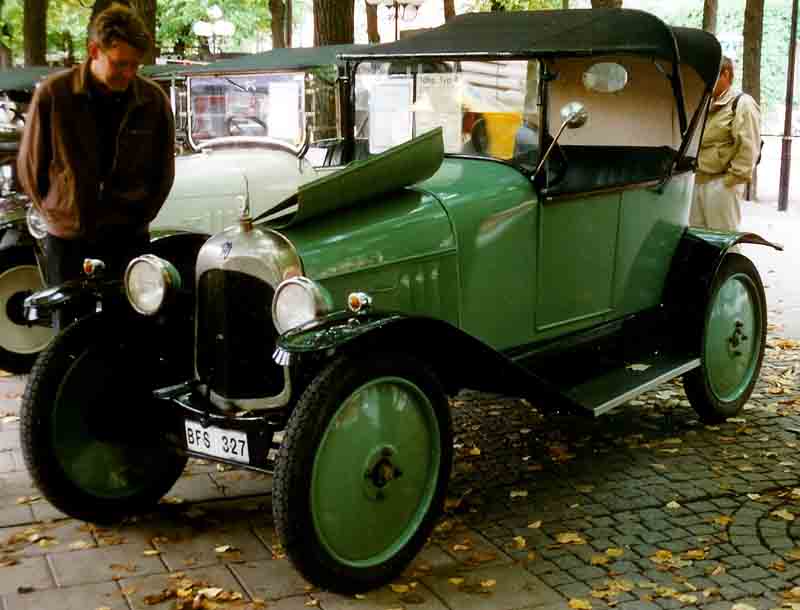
(333, 22)
(373, 35)
(289, 23)
(606, 3)
(277, 11)
(35, 32)
(6, 58)
(497, 6)
(147, 11)
(710, 16)
(752, 35)
(449, 9)
(69, 49)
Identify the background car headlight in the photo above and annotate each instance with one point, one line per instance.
(37, 225)
(150, 282)
(297, 301)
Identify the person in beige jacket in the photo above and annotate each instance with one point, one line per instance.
(728, 154)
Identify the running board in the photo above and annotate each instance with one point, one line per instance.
(601, 394)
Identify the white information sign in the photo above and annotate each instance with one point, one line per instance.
(438, 105)
(390, 114)
(283, 120)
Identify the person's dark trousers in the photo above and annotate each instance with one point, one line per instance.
(64, 261)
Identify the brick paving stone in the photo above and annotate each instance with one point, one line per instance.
(542, 567)
(568, 562)
(515, 588)
(419, 598)
(737, 561)
(7, 462)
(200, 548)
(731, 593)
(196, 488)
(103, 564)
(556, 579)
(638, 605)
(15, 515)
(586, 573)
(40, 539)
(29, 572)
(85, 597)
(242, 482)
(574, 589)
(137, 589)
(753, 588)
(270, 579)
(44, 511)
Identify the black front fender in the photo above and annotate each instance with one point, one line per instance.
(460, 360)
(694, 266)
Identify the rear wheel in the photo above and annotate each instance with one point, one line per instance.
(363, 470)
(20, 343)
(93, 439)
(734, 337)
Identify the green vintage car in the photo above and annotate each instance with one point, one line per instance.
(519, 226)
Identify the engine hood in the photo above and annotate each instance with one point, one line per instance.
(366, 182)
(205, 195)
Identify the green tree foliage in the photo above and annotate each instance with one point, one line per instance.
(774, 51)
(174, 20)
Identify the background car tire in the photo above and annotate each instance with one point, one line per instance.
(363, 470)
(733, 345)
(20, 344)
(88, 436)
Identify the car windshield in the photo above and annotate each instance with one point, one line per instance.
(485, 108)
(277, 106)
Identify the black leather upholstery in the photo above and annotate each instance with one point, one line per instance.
(590, 168)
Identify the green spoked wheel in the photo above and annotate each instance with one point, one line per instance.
(362, 471)
(734, 336)
(90, 437)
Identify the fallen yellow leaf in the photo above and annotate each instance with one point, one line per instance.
(520, 542)
(535, 525)
(570, 538)
(615, 552)
(399, 588)
(455, 581)
(580, 604)
(488, 584)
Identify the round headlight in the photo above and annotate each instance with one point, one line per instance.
(37, 225)
(149, 283)
(297, 301)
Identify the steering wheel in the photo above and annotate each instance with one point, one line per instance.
(234, 125)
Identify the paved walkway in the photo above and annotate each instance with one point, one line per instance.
(643, 509)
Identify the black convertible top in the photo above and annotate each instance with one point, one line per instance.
(558, 32)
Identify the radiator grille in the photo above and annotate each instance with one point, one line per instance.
(236, 336)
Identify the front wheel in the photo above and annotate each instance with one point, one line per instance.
(20, 343)
(90, 437)
(363, 470)
(734, 337)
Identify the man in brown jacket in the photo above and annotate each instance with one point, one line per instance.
(728, 153)
(97, 154)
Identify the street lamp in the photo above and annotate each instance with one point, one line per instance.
(217, 27)
(409, 10)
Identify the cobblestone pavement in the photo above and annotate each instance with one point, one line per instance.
(644, 508)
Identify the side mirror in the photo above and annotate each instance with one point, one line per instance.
(573, 115)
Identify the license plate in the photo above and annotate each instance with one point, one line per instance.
(217, 442)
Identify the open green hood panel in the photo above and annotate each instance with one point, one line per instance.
(365, 181)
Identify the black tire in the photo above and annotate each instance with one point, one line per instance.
(93, 440)
(346, 398)
(730, 362)
(20, 343)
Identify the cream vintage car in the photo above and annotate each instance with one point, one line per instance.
(260, 121)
